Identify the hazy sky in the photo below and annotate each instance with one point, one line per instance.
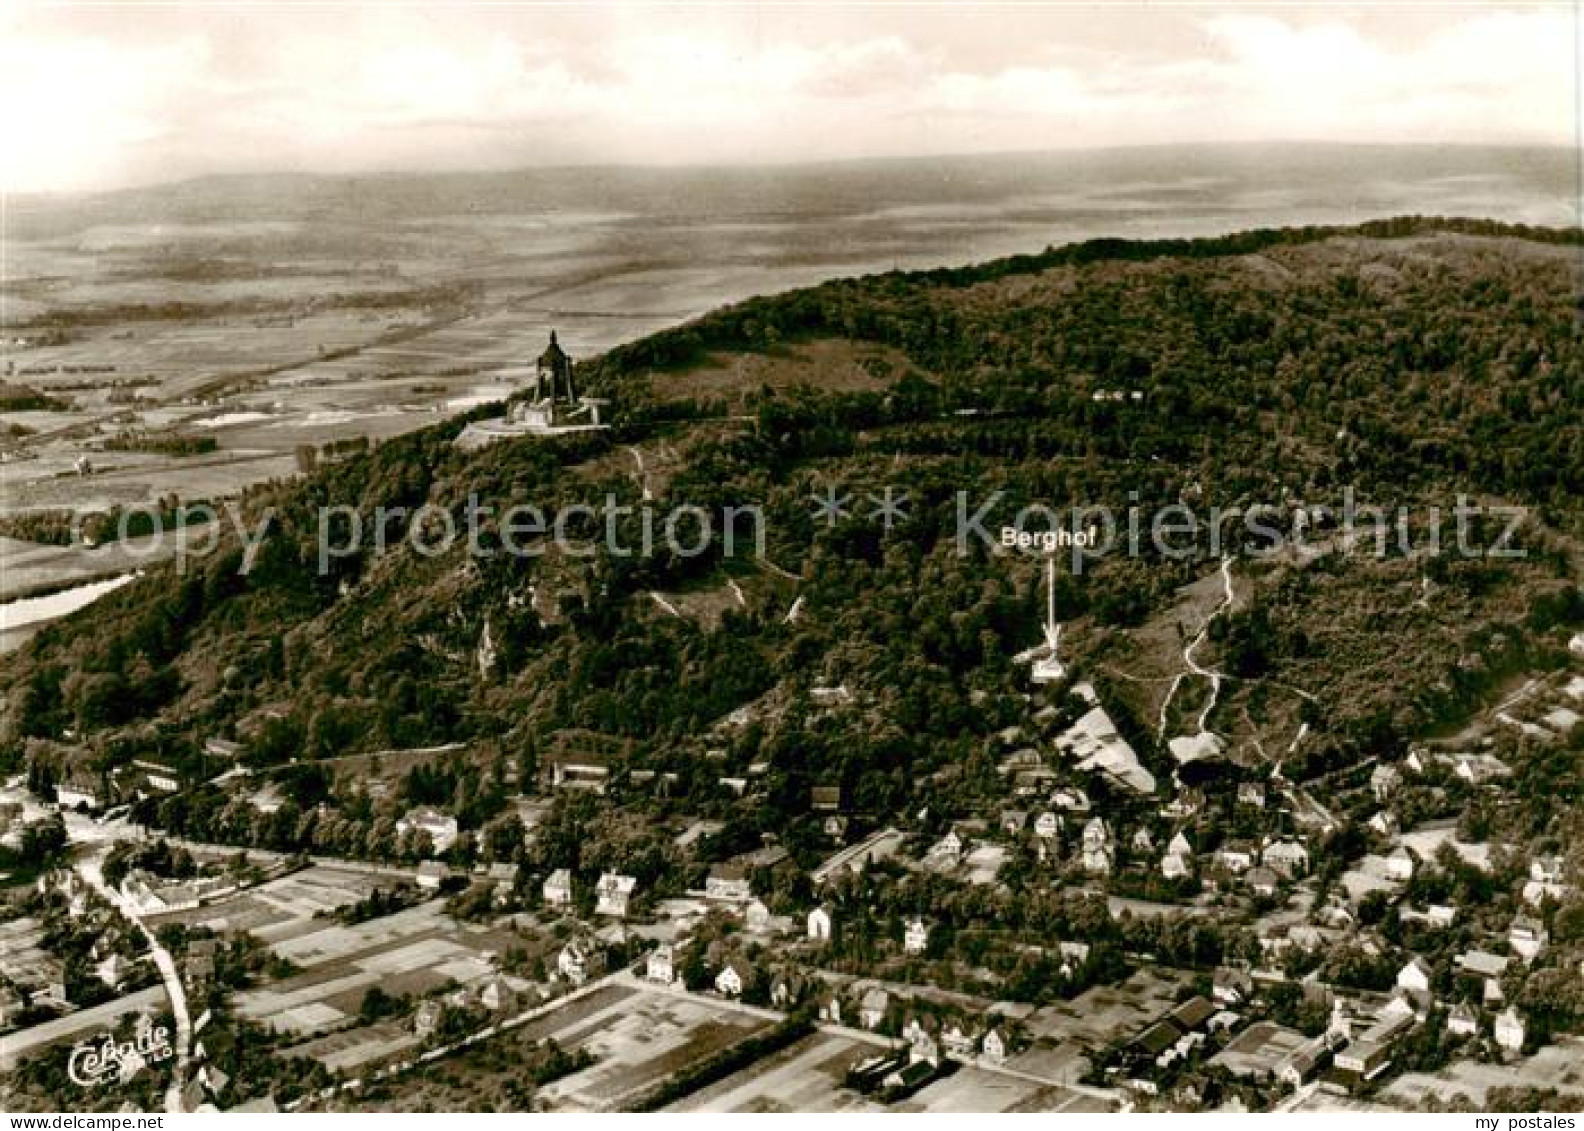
(105, 95)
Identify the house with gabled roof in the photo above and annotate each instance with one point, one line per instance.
(1528, 937)
(958, 1042)
(1289, 858)
(557, 888)
(994, 1047)
(1385, 780)
(1510, 1030)
(663, 963)
(441, 828)
(872, 1008)
(733, 978)
(1231, 986)
(1415, 976)
(1463, 1020)
(614, 894)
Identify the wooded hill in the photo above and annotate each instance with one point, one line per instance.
(1413, 360)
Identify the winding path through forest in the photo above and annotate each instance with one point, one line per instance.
(1193, 665)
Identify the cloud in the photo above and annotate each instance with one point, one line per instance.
(74, 107)
(95, 100)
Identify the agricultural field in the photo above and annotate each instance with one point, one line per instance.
(1559, 1066)
(641, 1041)
(809, 1076)
(633, 1037)
(1104, 1014)
(284, 906)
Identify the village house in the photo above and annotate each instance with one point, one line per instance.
(1072, 799)
(613, 894)
(268, 799)
(1480, 964)
(1143, 841)
(1178, 861)
(112, 971)
(732, 979)
(757, 917)
(825, 798)
(79, 791)
(587, 769)
(787, 990)
(1385, 780)
(198, 965)
(733, 879)
(1230, 986)
(872, 1008)
(1415, 976)
(958, 1043)
(557, 888)
(427, 1018)
(503, 880)
(1098, 854)
(1364, 1060)
(660, 965)
(497, 996)
(1385, 823)
(1298, 1067)
(915, 936)
(835, 828)
(160, 775)
(820, 924)
(150, 895)
(1437, 915)
(1463, 1020)
(1528, 937)
(1073, 955)
(1235, 857)
(922, 1045)
(1251, 794)
(441, 829)
(222, 748)
(948, 851)
(580, 959)
(1539, 888)
(729, 882)
(1510, 1030)
(994, 1047)
(1047, 826)
(1478, 769)
(832, 696)
(1288, 858)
